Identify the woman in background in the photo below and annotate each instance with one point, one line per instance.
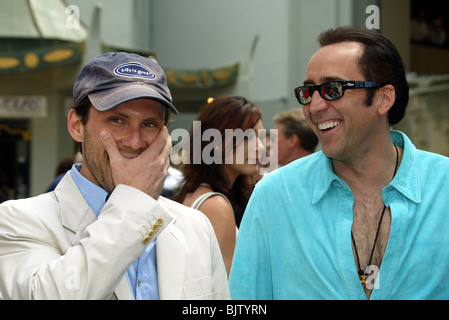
(219, 188)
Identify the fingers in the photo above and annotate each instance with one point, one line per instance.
(109, 144)
(168, 146)
(145, 172)
(161, 143)
(160, 148)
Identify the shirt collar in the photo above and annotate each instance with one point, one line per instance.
(406, 180)
(324, 177)
(95, 196)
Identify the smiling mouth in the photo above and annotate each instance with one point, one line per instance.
(328, 125)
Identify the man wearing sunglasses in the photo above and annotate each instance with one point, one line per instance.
(366, 217)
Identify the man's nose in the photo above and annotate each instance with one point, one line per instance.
(318, 104)
(134, 140)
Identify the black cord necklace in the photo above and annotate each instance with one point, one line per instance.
(362, 274)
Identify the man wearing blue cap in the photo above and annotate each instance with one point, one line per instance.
(105, 232)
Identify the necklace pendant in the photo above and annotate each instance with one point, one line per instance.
(363, 281)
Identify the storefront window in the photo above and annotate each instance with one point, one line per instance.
(14, 160)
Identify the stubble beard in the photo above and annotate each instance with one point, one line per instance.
(96, 160)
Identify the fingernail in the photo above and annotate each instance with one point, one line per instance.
(104, 135)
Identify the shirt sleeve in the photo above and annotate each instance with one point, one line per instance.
(250, 277)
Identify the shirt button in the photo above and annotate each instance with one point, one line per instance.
(139, 283)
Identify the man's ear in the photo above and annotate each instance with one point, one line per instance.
(75, 126)
(294, 141)
(385, 97)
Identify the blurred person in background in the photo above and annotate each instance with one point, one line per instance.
(5, 189)
(296, 138)
(64, 166)
(221, 189)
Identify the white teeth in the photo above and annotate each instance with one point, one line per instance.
(328, 125)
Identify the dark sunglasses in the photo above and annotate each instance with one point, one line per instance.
(331, 90)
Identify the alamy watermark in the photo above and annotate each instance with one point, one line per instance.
(235, 147)
(73, 19)
(72, 281)
(373, 20)
(372, 280)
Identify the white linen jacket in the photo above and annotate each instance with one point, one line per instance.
(54, 247)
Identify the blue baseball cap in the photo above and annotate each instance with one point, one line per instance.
(114, 78)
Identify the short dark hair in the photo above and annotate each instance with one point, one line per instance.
(82, 109)
(380, 62)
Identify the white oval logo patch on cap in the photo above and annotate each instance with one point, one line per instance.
(134, 70)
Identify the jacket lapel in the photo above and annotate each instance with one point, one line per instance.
(76, 216)
(170, 254)
(75, 212)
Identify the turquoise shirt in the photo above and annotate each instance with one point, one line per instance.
(142, 274)
(295, 238)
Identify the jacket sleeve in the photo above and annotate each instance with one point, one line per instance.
(34, 264)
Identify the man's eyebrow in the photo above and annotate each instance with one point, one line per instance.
(308, 82)
(118, 113)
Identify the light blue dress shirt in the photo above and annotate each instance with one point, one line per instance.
(295, 238)
(142, 274)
